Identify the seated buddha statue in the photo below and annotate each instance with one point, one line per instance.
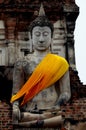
(40, 80)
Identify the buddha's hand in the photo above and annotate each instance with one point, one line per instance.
(16, 113)
(51, 112)
(54, 108)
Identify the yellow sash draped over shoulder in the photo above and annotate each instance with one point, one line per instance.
(49, 70)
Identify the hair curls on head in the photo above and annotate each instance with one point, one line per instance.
(41, 21)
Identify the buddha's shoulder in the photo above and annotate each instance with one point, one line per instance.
(22, 62)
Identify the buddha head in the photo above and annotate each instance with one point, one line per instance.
(41, 31)
(41, 21)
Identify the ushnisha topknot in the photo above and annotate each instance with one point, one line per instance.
(41, 21)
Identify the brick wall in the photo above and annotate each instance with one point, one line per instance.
(5, 116)
(75, 110)
(77, 103)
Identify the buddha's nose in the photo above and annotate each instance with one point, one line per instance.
(41, 40)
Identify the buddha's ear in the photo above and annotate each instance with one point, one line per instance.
(51, 45)
(30, 42)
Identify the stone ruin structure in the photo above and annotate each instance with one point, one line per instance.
(15, 17)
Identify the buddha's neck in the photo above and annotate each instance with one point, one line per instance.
(41, 53)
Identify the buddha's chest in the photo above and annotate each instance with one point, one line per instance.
(30, 67)
(47, 97)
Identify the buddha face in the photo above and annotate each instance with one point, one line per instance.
(41, 38)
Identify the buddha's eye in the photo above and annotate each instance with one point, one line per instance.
(45, 33)
(37, 34)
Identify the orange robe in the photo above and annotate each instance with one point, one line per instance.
(47, 72)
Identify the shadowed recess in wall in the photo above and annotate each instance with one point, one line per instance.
(5, 83)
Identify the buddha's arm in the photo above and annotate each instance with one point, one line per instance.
(18, 77)
(18, 81)
(65, 92)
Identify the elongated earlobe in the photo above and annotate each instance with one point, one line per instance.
(31, 44)
(51, 46)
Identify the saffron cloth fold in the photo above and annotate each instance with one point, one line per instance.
(47, 72)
